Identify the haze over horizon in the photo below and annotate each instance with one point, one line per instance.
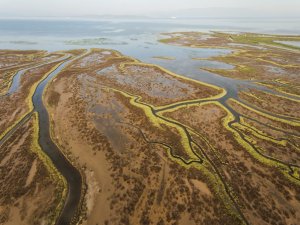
(189, 8)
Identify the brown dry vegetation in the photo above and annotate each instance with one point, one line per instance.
(28, 192)
(265, 195)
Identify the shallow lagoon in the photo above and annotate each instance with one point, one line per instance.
(138, 39)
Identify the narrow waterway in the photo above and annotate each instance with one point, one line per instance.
(71, 174)
(17, 77)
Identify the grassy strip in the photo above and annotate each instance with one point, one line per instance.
(171, 41)
(241, 38)
(293, 123)
(262, 39)
(164, 57)
(261, 101)
(271, 42)
(278, 64)
(248, 144)
(279, 89)
(258, 133)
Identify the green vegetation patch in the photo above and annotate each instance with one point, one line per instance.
(94, 41)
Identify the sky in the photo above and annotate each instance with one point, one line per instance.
(32, 8)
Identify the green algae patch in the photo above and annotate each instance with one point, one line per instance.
(164, 57)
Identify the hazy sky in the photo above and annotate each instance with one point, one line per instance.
(137, 7)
